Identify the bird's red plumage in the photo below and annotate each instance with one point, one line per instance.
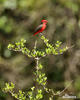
(41, 27)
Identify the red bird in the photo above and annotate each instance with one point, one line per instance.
(41, 27)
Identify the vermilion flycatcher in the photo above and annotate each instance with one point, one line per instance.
(41, 27)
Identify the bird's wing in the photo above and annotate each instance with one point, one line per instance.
(38, 28)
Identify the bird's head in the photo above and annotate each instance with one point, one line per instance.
(44, 21)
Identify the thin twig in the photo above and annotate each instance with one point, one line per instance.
(66, 88)
(37, 69)
(37, 63)
(41, 34)
(35, 44)
(71, 47)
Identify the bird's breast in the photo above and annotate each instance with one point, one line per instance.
(44, 26)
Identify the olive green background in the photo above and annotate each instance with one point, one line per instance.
(18, 19)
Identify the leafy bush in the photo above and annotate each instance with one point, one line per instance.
(37, 91)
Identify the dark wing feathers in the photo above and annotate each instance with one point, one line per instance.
(38, 28)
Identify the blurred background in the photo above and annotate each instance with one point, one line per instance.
(18, 19)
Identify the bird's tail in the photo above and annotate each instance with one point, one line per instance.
(35, 33)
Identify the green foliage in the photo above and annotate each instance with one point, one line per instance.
(55, 50)
(41, 77)
(36, 92)
(9, 87)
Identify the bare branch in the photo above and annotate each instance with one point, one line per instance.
(65, 88)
